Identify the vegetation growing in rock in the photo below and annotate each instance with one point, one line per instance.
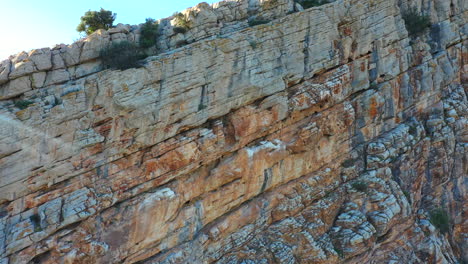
(416, 23)
(182, 23)
(255, 22)
(122, 55)
(440, 219)
(328, 194)
(359, 186)
(179, 30)
(407, 195)
(413, 130)
(149, 33)
(23, 104)
(339, 252)
(36, 221)
(202, 106)
(253, 44)
(94, 20)
(348, 163)
(312, 3)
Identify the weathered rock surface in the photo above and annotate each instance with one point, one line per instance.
(325, 136)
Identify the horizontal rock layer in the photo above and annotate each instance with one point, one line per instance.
(325, 136)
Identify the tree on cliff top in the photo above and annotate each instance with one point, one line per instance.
(149, 33)
(94, 20)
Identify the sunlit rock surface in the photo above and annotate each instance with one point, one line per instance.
(327, 135)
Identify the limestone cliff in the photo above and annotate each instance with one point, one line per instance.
(328, 135)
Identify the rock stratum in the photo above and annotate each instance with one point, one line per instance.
(328, 135)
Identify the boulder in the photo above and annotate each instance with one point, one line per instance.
(41, 58)
(4, 71)
(15, 87)
(94, 44)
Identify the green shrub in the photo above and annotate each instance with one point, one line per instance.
(312, 3)
(122, 55)
(36, 222)
(254, 22)
(348, 163)
(202, 106)
(94, 20)
(149, 33)
(339, 252)
(182, 23)
(440, 219)
(253, 44)
(407, 195)
(359, 186)
(23, 104)
(416, 23)
(328, 194)
(413, 129)
(178, 30)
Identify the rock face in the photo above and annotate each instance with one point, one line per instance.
(328, 135)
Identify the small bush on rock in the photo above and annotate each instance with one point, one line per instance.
(94, 20)
(179, 30)
(253, 44)
(360, 186)
(23, 104)
(339, 252)
(407, 195)
(312, 3)
(149, 33)
(122, 55)
(416, 23)
(255, 22)
(440, 219)
(36, 221)
(348, 163)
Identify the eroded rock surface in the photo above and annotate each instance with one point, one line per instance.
(327, 135)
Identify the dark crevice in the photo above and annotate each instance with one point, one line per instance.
(36, 222)
(43, 257)
(203, 98)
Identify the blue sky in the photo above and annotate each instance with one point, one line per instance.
(31, 24)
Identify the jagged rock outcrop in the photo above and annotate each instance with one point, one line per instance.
(327, 135)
